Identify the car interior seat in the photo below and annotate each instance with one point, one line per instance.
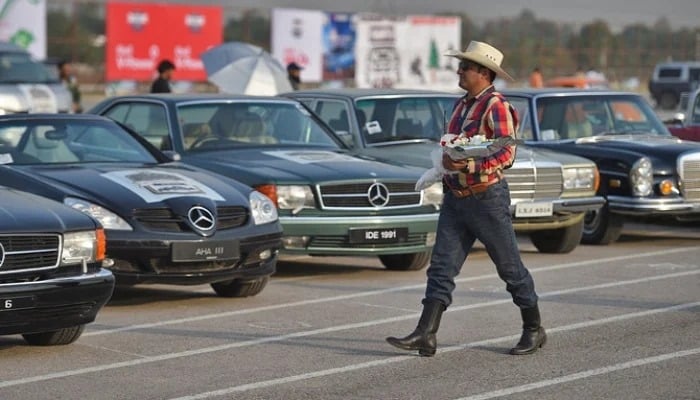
(48, 150)
(576, 125)
(406, 127)
(250, 127)
(340, 123)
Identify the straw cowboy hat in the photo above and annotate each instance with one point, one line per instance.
(483, 54)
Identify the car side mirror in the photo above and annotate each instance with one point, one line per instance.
(172, 155)
(346, 137)
(676, 120)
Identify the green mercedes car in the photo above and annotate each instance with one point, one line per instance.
(330, 202)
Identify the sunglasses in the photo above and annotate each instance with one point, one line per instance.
(467, 65)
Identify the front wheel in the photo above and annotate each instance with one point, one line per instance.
(559, 241)
(240, 288)
(54, 338)
(405, 262)
(601, 226)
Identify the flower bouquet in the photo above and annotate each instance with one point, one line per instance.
(458, 147)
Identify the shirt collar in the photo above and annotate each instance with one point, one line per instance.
(488, 89)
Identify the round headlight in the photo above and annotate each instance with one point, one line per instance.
(641, 176)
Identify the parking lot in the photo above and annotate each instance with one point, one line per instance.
(622, 322)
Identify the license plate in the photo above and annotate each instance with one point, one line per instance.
(384, 235)
(541, 209)
(16, 303)
(205, 251)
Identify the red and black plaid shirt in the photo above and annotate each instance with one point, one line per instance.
(488, 114)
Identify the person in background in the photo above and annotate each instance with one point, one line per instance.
(536, 78)
(65, 74)
(165, 73)
(477, 206)
(294, 75)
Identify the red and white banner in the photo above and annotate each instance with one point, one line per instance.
(296, 37)
(140, 35)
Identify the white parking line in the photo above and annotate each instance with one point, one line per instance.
(357, 325)
(391, 360)
(226, 314)
(583, 375)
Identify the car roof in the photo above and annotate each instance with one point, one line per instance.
(187, 97)
(355, 93)
(6, 47)
(55, 117)
(530, 92)
(678, 64)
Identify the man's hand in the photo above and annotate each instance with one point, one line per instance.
(454, 165)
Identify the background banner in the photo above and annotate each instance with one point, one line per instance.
(296, 37)
(23, 22)
(139, 35)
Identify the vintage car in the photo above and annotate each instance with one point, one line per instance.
(644, 171)
(166, 222)
(329, 201)
(688, 127)
(550, 192)
(51, 278)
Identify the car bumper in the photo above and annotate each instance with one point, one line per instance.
(565, 212)
(649, 207)
(53, 304)
(332, 235)
(153, 259)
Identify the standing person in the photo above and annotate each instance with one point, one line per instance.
(476, 206)
(536, 80)
(65, 74)
(165, 73)
(294, 74)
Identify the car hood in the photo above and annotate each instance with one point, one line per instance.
(22, 212)
(123, 188)
(259, 166)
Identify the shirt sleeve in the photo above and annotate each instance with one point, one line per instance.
(499, 121)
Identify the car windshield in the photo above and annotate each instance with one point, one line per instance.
(21, 68)
(54, 141)
(216, 125)
(384, 120)
(576, 117)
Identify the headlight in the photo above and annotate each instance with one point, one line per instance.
(86, 245)
(108, 219)
(294, 197)
(432, 195)
(579, 178)
(641, 176)
(262, 208)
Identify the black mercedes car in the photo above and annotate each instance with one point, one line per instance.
(644, 171)
(51, 278)
(166, 222)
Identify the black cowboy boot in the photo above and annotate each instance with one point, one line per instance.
(533, 336)
(423, 337)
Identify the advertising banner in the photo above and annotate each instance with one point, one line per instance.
(140, 35)
(23, 22)
(339, 46)
(296, 37)
(406, 52)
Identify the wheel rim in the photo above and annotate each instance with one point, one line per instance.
(591, 222)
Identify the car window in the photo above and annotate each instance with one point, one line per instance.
(50, 141)
(524, 123)
(208, 126)
(575, 117)
(21, 68)
(404, 118)
(147, 119)
(334, 113)
(670, 73)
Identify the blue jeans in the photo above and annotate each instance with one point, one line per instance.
(484, 216)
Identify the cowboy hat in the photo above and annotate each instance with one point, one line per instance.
(483, 54)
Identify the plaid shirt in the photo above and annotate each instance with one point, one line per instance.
(489, 114)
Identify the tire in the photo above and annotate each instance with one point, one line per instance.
(240, 288)
(668, 101)
(601, 227)
(54, 338)
(405, 262)
(559, 241)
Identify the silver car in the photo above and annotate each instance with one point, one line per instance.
(550, 191)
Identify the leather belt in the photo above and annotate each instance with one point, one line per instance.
(473, 189)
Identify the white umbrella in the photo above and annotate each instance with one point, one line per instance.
(242, 68)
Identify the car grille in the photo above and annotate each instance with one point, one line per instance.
(690, 176)
(164, 220)
(22, 253)
(357, 196)
(534, 183)
(343, 242)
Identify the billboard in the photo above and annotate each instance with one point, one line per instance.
(140, 35)
(406, 52)
(339, 46)
(23, 22)
(296, 37)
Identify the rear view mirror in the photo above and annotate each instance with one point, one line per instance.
(56, 134)
(172, 155)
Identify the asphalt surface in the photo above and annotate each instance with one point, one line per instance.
(623, 323)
